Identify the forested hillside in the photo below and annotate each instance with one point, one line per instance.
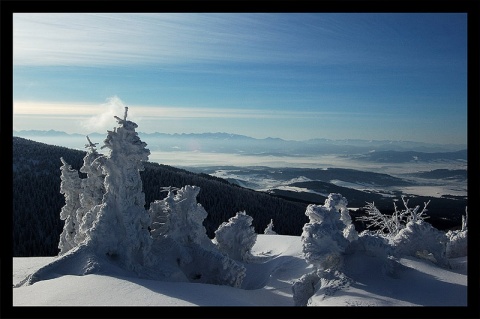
(37, 200)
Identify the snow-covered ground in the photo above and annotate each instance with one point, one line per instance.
(278, 262)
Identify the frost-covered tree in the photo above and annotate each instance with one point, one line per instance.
(391, 225)
(326, 238)
(457, 244)
(180, 217)
(407, 233)
(269, 229)
(421, 239)
(414, 214)
(304, 288)
(465, 220)
(384, 224)
(180, 240)
(374, 244)
(236, 237)
(328, 234)
(93, 189)
(70, 187)
(120, 230)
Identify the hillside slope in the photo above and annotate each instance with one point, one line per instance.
(37, 200)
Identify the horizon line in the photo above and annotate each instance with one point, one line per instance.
(255, 138)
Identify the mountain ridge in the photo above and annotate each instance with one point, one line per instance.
(220, 141)
(240, 136)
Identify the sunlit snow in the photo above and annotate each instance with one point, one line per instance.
(279, 263)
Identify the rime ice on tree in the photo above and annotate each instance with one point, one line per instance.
(389, 226)
(70, 186)
(457, 245)
(328, 234)
(269, 229)
(92, 191)
(179, 238)
(180, 217)
(237, 237)
(325, 240)
(407, 233)
(121, 228)
(421, 239)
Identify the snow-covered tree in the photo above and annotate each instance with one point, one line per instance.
(326, 238)
(269, 229)
(413, 214)
(93, 189)
(121, 228)
(236, 237)
(391, 225)
(407, 232)
(180, 217)
(457, 244)
(304, 288)
(465, 220)
(180, 239)
(422, 240)
(373, 244)
(384, 223)
(70, 187)
(328, 234)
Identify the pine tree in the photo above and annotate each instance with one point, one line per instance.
(465, 220)
(457, 244)
(328, 233)
(236, 237)
(179, 235)
(121, 228)
(70, 186)
(326, 239)
(92, 190)
(269, 229)
(180, 217)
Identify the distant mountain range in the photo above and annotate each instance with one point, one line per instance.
(373, 150)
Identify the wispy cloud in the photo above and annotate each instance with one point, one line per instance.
(99, 117)
(162, 38)
(190, 112)
(54, 108)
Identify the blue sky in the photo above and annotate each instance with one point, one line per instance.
(294, 75)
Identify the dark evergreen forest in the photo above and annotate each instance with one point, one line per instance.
(37, 200)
